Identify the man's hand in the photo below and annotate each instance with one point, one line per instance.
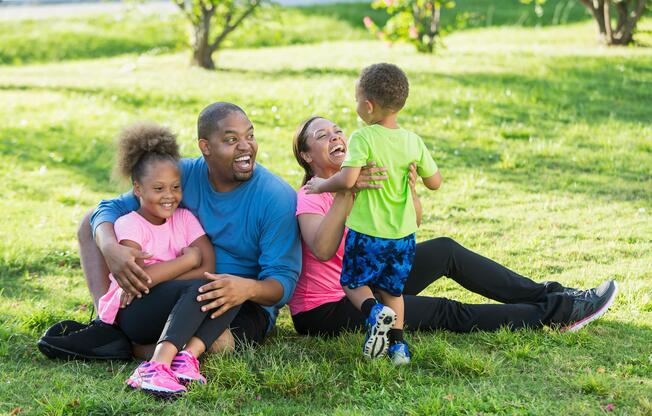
(225, 291)
(368, 175)
(125, 299)
(121, 261)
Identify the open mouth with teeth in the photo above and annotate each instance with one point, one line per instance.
(167, 205)
(243, 163)
(337, 151)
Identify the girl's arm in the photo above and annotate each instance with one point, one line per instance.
(207, 259)
(171, 269)
(323, 233)
(343, 180)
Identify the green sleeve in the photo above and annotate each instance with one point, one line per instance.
(426, 165)
(358, 153)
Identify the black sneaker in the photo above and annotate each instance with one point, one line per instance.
(98, 341)
(64, 328)
(589, 305)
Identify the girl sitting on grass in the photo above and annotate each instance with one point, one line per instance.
(180, 254)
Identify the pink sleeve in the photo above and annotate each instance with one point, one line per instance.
(128, 228)
(191, 226)
(311, 204)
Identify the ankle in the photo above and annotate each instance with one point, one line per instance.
(395, 336)
(367, 305)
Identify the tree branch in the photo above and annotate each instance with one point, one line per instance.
(228, 28)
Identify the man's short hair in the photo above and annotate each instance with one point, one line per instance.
(209, 118)
(385, 84)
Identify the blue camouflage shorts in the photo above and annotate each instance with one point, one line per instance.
(380, 262)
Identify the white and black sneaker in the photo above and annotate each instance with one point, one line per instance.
(380, 321)
(589, 305)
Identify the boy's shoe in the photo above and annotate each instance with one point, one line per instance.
(186, 368)
(155, 378)
(589, 305)
(97, 340)
(399, 353)
(380, 320)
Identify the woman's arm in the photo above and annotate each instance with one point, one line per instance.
(412, 180)
(171, 269)
(207, 259)
(323, 233)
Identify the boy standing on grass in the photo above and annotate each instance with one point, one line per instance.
(380, 244)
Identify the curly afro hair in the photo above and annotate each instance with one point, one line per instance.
(386, 85)
(141, 144)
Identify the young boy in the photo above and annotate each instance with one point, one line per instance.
(380, 244)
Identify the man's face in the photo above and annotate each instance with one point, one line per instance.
(231, 152)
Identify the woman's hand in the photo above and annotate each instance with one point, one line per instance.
(412, 181)
(368, 175)
(193, 254)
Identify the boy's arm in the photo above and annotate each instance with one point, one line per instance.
(433, 182)
(344, 180)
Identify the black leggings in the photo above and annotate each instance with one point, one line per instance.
(527, 303)
(170, 312)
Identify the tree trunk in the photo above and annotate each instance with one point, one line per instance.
(623, 34)
(202, 53)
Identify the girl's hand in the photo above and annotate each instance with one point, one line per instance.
(194, 254)
(312, 187)
(368, 175)
(125, 299)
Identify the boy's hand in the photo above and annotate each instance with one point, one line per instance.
(194, 254)
(312, 187)
(368, 175)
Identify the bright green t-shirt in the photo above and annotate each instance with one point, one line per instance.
(387, 212)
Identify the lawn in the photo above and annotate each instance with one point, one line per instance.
(544, 140)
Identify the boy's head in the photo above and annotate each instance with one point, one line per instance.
(381, 90)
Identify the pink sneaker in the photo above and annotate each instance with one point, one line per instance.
(155, 378)
(186, 367)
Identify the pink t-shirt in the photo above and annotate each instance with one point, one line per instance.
(164, 242)
(319, 282)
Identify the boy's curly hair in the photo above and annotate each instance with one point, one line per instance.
(386, 85)
(143, 143)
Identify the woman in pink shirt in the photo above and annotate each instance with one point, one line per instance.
(319, 305)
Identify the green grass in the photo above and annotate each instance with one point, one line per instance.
(543, 139)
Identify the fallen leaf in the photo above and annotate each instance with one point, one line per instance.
(15, 411)
(450, 397)
(600, 370)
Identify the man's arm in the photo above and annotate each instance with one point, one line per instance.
(120, 259)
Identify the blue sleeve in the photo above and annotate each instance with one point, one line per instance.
(109, 210)
(280, 247)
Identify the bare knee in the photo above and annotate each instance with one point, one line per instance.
(84, 232)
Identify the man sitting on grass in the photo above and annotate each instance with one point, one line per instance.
(247, 213)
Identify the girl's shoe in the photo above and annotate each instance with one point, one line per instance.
(399, 353)
(155, 378)
(186, 368)
(380, 320)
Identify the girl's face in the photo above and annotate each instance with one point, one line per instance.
(327, 145)
(159, 191)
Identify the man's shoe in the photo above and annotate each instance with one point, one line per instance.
(186, 368)
(380, 320)
(64, 328)
(399, 353)
(155, 378)
(96, 341)
(589, 305)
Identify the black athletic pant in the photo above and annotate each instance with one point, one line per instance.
(527, 303)
(170, 312)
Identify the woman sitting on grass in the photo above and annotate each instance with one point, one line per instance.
(180, 255)
(320, 306)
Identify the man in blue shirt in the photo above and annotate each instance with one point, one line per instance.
(246, 211)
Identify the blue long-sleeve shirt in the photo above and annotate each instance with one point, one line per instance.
(253, 228)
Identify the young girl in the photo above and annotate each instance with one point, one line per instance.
(380, 244)
(180, 255)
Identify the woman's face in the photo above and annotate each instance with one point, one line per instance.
(327, 145)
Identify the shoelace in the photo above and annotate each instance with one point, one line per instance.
(193, 362)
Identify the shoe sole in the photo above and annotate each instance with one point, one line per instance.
(188, 380)
(153, 390)
(378, 343)
(51, 351)
(603, 309)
